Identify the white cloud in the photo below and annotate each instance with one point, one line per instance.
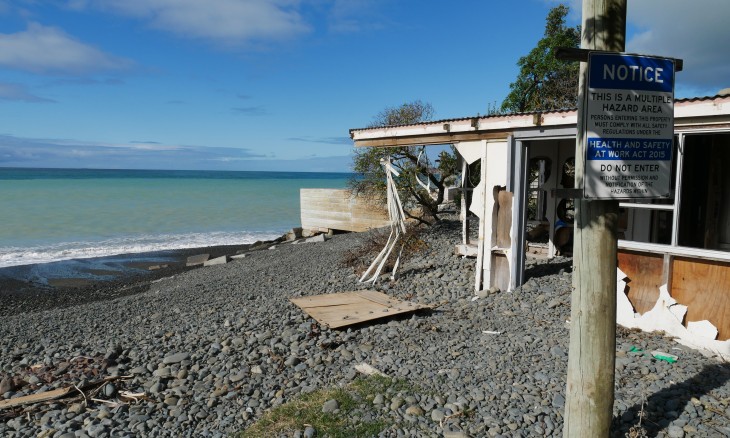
(696, 32)
(18, 92)
(347, 16)
(35, 152)
(231, 22)
(43, 49)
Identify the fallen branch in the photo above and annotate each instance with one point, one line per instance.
(86, 402)
(449, 417)
(56, 393)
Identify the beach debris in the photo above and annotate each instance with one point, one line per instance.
(157, 267)
(658, 355)
(368, 370)
(397, 228)
(491, 332)
(350, 308)
(239, 256)
(222, 260)
(294, 234)
(197, 260)
(315, 239)
(667, 316)
(666, 357)
(35, 398)
(77, 382)
(92, 388)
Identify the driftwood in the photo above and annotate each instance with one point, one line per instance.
(56, 394)
(36, 398)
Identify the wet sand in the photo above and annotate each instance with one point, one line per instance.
(34, 288)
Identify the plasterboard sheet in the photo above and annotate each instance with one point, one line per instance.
(470, 150)
(349, 308)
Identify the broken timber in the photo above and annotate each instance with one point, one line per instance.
(36, 398)
(55, 394)
(349, 308)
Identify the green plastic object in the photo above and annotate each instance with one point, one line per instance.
(666, 357)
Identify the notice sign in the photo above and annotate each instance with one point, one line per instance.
(629, 121)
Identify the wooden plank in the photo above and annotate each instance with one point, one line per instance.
(504, 219)
(646, 274)
(349, 308)
(326, 193)
(327, 215)
(428, 139)
(326, 300)
(500, 271)
(35, 398)
(346, 298)
(337, 209)
(703, 286)
(334, 201)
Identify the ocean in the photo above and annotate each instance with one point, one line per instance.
(50, 215)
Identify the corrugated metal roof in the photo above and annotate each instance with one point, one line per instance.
(529, 113)
(461, 119)
(701, 98)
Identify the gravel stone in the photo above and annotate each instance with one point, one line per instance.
(330, 406)
(214, 349)
(437, 415)
(175, 358)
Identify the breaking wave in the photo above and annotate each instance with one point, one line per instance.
(14, 256)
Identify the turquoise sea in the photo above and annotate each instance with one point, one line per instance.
(48, 215)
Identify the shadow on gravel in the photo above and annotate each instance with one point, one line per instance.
(544, 269)
(667, 405)
(421, 315)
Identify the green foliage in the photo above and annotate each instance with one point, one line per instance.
(406, 114)
(307, 410)
(370, 178)
(544, 82)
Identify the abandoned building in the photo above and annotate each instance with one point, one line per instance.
(673, 253)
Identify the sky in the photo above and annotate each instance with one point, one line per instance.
(277, 84)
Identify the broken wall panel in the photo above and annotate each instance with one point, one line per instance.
(646, 274)
(495, 224)
(504, 218)
(500, 271)
(704, 287)
(349, 308)
(338, 209)
(501, 239)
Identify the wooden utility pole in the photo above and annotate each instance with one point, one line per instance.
(592, 354)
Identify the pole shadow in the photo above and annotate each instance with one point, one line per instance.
(667, 405)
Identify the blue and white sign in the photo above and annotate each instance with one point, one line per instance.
(629, 121)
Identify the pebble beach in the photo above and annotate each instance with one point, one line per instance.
(210, 351)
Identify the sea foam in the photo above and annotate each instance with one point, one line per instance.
(14, 256)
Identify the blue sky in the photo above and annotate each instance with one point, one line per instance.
(277, 84)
